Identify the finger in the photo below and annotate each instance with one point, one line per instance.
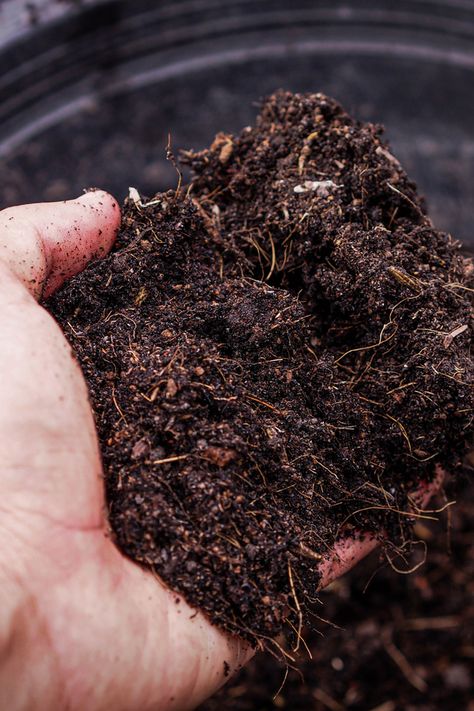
(350, 550)
(46, 243)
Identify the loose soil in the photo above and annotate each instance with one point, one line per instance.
(392, 642)
(277, 356)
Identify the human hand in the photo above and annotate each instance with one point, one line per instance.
(81, 626)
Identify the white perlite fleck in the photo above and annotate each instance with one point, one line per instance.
(320, 187)
(134, 195)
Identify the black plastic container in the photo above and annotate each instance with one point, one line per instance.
(90, 90)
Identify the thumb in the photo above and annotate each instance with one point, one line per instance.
(48, 445)
(44, 244)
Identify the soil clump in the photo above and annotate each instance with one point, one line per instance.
(277, 356)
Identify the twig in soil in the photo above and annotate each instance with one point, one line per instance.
(290, 235)
(284, 654)
(280, 688)
(399, 192)
(76, 333)
(266, 404)
(402, 662)
(117, 406)
(273, 264)
(324, 620)
(310, 553)
(303, 641)
(175, 458)
(417, 509)
(409, 514)
(316, 461)
(386, 494)
(232, 541)
(380, 342)
(402, 430)
(456, 285)
(356, 379)
(172, 160)
(451, 377)
(404, 278)
(412, 569)
(423, 459)
(298, 608)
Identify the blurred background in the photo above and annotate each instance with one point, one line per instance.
(90, 90)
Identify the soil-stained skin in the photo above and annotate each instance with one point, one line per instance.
(277, 355)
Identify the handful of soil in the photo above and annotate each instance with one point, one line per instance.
(277, 356)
